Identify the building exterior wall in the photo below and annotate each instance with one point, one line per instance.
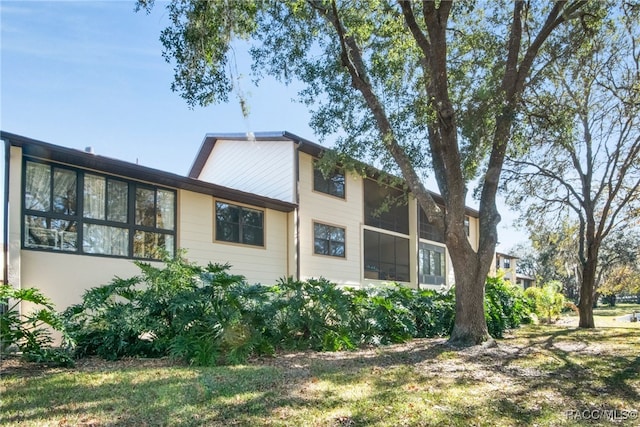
(506, 265)
(334, 211)
(15, 190)
(348, 213)
(270, 168)
(65, 277)
(266, 168)
(264, 265)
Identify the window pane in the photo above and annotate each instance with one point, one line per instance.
(332, 184)
(50, 233)
(321, 231)
(100, 239)
(227, 213)
(432, 264)
(252, 235)
(166, 208)
(428, 231)
(385, 207)
(321, 246)
(227, 232)
(337, 249)
(337, 185)
(150, 245)
(64, 191)
(145, 207)
(252, 229)
(117, 200)
(227, 222)
(37, 194)
(94, 198)
(386, 257)
(371, 258)
(252, 217)
(337, 234)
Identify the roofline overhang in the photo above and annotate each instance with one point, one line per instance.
(46, 151)
(304, 145)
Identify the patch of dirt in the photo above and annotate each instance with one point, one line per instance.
(429, 355)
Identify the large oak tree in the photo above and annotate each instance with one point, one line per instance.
(415, 85)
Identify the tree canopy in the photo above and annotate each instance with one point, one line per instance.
(582, 159)
(413, 85)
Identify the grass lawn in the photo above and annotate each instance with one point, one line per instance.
(538, 375)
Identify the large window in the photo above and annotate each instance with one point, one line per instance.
(385, 207)
(82, 212)
(328, 240)
(239, 224)
(432, 266)
(386, 257)
(50, 203)
(332, 184)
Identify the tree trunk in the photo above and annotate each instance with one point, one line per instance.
(470, 327)
(585, 305)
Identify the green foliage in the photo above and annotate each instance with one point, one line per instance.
(207, 316)
(547, 301)
(314, 314)
(505, 306)
(31, 333)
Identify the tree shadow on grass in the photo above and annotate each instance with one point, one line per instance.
(423, 382)
(581, 366)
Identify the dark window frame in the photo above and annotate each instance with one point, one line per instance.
(328, 185)
(395, 218)
(240, 224)
(331, 244)
(80, 220)
(428, 231)
(373, 263)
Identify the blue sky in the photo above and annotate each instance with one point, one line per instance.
(91, 73)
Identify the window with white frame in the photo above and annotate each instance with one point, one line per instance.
(431, 264)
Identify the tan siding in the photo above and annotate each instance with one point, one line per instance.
(258, 264)
(65, 277)
(327, 209)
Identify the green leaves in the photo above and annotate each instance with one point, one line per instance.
(198, 42)
(207, 316)
(31, 332)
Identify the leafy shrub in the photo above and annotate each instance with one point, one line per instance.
(182, 310)
(547, 301)
(310, 315)
(505, 306)
(207, 316)
(31, 333)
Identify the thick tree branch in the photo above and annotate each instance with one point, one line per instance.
(354, 63)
